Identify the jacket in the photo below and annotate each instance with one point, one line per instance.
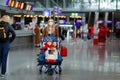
(55, 31)
(9, 30)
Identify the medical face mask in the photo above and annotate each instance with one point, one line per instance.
(50, 23)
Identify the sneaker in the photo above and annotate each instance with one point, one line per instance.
(2, 75)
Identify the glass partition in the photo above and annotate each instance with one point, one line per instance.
(91, 5)
(43, 3)
(107, 4)
(118, 4)
(81, 5)
(52, 3)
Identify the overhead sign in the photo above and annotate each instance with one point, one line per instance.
(57, 11)
(74, 14)
(47, 12)
(10, 3)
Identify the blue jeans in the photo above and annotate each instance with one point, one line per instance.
(4, 49)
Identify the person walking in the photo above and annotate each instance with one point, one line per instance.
(37, 35)
(5, 30)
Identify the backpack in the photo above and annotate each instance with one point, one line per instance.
(3, 33)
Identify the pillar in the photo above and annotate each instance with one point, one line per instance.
(0, 14)
(68, 20)
(11, 19)
(96, 22)
(95, 37)
(22, 22)
(64, 3)
(113, 22)
(47, 3)
(106, 18)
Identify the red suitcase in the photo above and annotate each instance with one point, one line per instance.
(95, 41)
(63, 51)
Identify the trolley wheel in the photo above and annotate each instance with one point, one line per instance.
(40, 71)
(50, 72)
(56, 72)
(60, 71)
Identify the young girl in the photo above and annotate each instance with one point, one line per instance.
(51, 53)
(49, 44)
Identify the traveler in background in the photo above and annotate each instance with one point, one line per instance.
(78, 33)
(64, 32)
(5, 41)
(102, 34)
(37, 35)
(60, 30)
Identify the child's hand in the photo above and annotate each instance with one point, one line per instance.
(48, 48)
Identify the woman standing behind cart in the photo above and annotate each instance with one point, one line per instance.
(50, 31)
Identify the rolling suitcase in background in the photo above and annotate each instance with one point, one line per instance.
(63, 51)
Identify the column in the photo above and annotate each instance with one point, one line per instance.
(89, 18)
(47, 4)
(64, 3)
(95, 37)
(67, 19)
(83, 23)
(22, 22)
(96, 22)
(11, 19)
(113, 22)
(106, 18)
(0, 14)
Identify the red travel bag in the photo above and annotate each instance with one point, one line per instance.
(63, 51)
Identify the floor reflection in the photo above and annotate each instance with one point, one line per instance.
(84, 61)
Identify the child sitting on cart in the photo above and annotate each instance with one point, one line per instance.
(51, 54)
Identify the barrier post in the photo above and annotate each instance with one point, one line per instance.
(95, 39)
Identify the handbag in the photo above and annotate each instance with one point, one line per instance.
(63, 51)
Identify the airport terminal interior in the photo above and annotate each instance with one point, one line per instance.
(89, 53)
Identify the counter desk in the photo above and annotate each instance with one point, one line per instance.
(24, 39)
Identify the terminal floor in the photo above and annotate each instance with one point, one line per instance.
(85, 61)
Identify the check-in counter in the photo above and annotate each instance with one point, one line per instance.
(24, 39)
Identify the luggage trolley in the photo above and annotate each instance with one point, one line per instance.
(49, 65)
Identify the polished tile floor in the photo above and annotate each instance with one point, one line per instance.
(85, 61)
